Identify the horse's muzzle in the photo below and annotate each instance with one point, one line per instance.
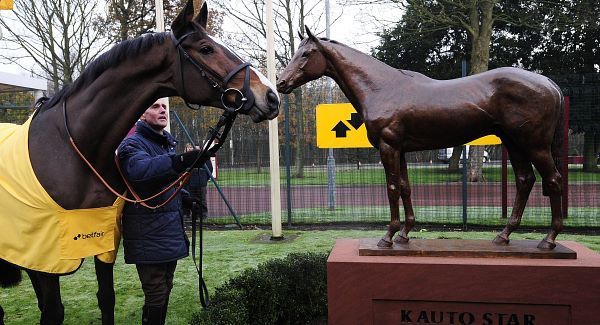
(272, 104)
(282, 87)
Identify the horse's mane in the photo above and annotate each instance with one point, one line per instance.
(122, 51)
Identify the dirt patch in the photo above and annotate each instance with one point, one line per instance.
(267, 239)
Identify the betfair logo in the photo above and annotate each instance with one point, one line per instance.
(94, 234)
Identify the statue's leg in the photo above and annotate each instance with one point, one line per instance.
(106, 291)
(524, 179)
(552, 186)
(390, 158)
(47, 289)
(409, 214)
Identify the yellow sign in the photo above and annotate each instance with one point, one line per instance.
(6, 4)
(486, 141)
(340, 126)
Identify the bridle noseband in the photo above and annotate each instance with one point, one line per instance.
(246, 97)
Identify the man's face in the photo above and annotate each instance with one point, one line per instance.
(156, 115)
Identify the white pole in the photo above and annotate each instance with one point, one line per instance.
(331, 188)
(273, 133)
(160, 27)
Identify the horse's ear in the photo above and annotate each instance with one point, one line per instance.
(202, 17)
(180, 23)
(300, 35)
(310, 35)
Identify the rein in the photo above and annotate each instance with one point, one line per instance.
(226, 120)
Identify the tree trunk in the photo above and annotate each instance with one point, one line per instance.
(454, 163)
(480, 30)
(589, 153)
(299, 161)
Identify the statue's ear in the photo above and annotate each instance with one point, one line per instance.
(181, 23)
(300, 35)
(310, 35)
(202, 17)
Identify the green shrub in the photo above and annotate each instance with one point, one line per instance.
(292, 290)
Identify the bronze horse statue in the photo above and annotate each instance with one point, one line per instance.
(101, 106)
(406, 111)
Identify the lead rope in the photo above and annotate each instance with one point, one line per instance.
(202, 289)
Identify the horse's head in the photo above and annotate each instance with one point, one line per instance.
(308, 63)
(207, 72)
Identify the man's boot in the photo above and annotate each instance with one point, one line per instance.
(152, 315)
(164, 313)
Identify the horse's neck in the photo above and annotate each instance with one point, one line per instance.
(99, 116)
(358, 75)
(115, 100)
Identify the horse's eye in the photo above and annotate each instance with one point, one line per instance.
(305, 54)
(206, 50)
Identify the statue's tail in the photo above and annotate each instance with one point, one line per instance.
(10, 274)
(557, 142)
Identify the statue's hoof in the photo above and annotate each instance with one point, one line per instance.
(544, 244)
(384, 243)
(499, 240)
(401, 240)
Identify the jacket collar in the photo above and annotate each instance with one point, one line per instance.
(147, 131)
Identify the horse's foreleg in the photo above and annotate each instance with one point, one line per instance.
(552, 186)
(524, 179)
(409, 214)
(106, 291)
(390, 158)
(47, 290)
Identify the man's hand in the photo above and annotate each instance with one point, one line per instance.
(186, 160)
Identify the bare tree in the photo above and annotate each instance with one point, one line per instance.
(60, 36)
(127, 19)
(290, 18)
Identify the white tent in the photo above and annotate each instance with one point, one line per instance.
(14, 83)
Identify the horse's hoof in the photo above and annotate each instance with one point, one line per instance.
(544, 244)
(401, 240)
(384, 243)
(499, 240)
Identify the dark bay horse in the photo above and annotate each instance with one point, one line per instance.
(406, 111)
(103, 104)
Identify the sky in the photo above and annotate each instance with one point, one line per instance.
(356, 26)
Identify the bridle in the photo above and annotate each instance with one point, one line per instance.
(246, 101)
(246, 97)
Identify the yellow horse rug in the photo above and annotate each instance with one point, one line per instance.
(35, 232)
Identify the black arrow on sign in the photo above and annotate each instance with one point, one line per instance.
(355, 120)
(340, 130)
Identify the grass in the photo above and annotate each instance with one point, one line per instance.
(226, 254)
(374, 175)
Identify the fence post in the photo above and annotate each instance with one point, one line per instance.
(565, 164)
(464, 162)
(504, 182)
(464, 186)
(288, 157)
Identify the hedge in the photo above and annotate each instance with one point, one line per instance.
(292, 290)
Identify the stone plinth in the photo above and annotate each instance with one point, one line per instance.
(462, 290)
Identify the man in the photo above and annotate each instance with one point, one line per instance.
(154, 239)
